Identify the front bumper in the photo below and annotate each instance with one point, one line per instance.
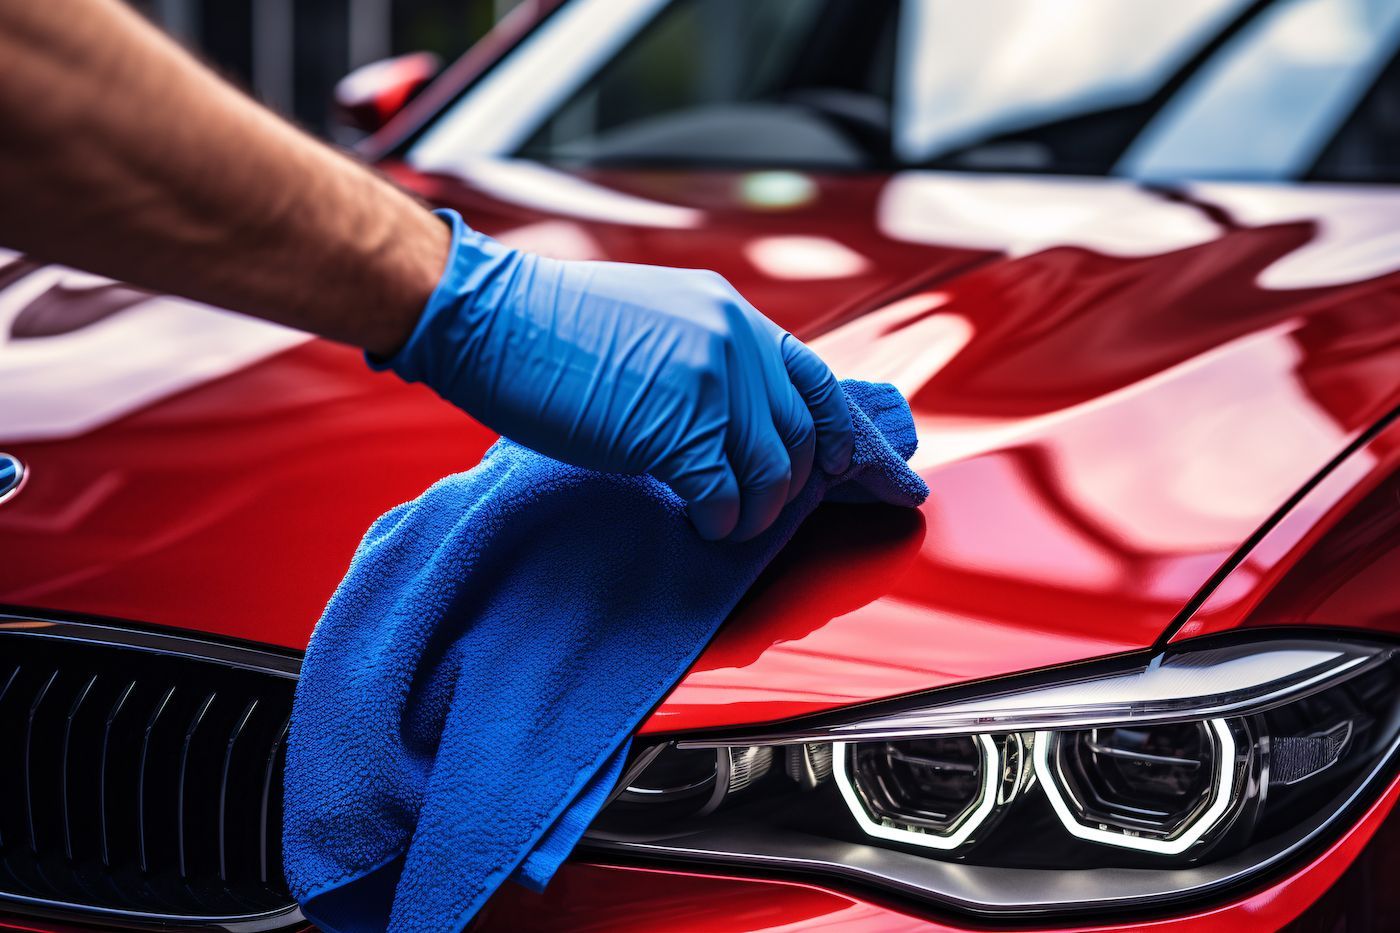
(1350, 885)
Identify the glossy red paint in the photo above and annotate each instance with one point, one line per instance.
(614, 898)
(1115, 389)
(1114, 395)
(1109, 409)
(267, 477)
(1332, 560)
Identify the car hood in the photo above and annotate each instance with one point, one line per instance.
(1115, 389)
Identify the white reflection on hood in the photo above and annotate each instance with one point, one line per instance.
(70, 383)
(1020, 215)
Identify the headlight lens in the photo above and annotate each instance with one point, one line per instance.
(934, 792)
(1154, 788)
(1219, 760)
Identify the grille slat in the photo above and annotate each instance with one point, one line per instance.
(30, 735)
(141, 774)
(68, 805)
(4, 695)
(224, 786)
(180, 794)
(270, 780)
(141, 818)
(104, 790)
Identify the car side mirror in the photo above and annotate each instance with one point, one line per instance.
(369, 96)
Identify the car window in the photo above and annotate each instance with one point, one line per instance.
(1367, 149)
(1237, 89)
(1041, 85)
(791, 81)
(1272, 100)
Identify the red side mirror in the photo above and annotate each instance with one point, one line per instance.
(368, 96)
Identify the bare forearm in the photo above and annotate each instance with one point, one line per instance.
(126, 157)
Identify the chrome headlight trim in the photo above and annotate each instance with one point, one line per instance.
(1216, 682)
(981, 812)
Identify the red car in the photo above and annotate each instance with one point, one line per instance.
(1133, 665)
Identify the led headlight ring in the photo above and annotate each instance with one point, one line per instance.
(981, 810)
(1222, 795)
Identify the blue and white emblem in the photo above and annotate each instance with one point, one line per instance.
(11, 475)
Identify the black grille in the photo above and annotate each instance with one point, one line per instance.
(141, 773)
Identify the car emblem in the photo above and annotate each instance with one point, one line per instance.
(11, 475)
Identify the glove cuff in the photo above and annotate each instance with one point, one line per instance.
(452, 313)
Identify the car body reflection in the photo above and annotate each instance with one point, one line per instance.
(1105, 423)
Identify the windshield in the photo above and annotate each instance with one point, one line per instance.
(785, 80)
(1193, 88)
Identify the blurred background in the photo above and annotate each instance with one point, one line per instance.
(1237, 89)
(290, 53)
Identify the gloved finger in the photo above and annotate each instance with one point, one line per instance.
(764, 472)
(826, 402)
(705, 480)
(794, 425)
(800, 452)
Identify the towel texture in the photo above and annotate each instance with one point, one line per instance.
(467, 698)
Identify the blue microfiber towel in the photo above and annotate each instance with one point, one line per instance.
(468, 696)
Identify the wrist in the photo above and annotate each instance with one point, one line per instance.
(425, 250)
(459, 301)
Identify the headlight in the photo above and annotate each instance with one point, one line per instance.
(936, 791)
(1158, 788)
(1197, 769)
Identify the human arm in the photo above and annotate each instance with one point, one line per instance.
(126, 157)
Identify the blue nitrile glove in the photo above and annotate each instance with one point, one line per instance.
(631, 369)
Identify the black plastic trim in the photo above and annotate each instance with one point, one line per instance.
(177, 645)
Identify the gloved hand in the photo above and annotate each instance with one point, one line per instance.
(632, 369)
